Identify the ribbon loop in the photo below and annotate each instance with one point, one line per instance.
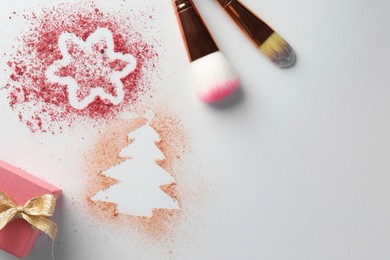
(6, 216)
(42, 206)
(5, 202)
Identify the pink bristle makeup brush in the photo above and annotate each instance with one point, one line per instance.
(213, 76)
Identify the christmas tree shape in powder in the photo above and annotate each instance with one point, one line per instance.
(140, 177)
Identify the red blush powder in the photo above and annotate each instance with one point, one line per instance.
(91, 70)
(44, 106)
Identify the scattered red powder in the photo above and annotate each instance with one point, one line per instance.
(44, 106)
(91, 69)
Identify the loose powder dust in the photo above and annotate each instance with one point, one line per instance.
(44, 106)
(173, 144)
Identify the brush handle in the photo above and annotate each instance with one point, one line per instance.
(257, 30)
(195, 33)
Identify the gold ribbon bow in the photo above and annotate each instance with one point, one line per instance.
(36, 212)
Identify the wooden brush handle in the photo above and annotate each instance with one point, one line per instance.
(257, 30)
(195, 33)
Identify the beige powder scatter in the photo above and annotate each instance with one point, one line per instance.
(171, 190)
(173, 139)
(105, 155)
(173, 143)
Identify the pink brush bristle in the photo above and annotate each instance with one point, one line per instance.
(219, 92)
(214, 77)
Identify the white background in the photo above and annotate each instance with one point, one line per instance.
(297, 161)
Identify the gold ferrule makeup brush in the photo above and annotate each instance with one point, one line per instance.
(264, 37)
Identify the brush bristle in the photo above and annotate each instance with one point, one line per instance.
(279, 51)
(214, 77)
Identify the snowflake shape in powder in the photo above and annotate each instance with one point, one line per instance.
(91, 69)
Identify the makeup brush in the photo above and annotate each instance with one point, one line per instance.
(266, 39)
(214, 77)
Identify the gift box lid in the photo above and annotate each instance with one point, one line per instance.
(22, 186)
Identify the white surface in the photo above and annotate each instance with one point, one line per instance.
(298, 164)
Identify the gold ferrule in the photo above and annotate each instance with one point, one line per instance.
(197, 37)
(182, 6)
(225, 3)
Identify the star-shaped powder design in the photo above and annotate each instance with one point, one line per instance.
(91, 69)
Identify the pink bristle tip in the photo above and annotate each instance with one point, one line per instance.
(219, 92)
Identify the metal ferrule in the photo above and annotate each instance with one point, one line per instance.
(225, 3)
(182, 6)
(257, 30)
(197, 37)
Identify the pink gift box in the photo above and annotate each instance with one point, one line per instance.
(18, 237)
